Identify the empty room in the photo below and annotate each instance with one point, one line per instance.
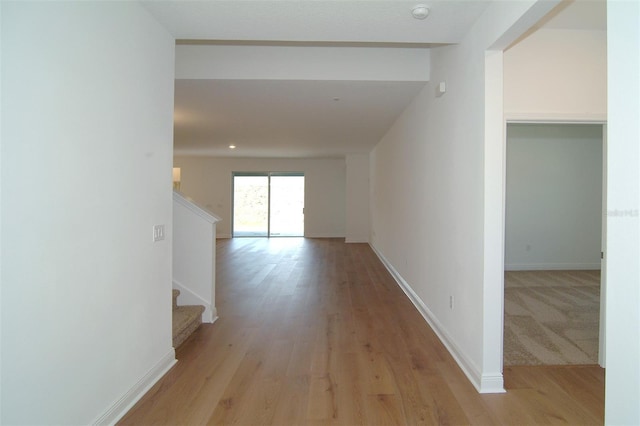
(374, 292)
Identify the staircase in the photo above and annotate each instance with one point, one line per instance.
(186, 320)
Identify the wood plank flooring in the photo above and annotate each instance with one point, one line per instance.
(316, 332)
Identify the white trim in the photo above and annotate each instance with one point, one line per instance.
(491, 383)
(187, 202)
(554, 117)
(356, 240)
(551, 266)
(223, 236)
(128, 400)
(321, 235)
(492, 328)
(210, 314)
(482, 383)
(603, 274)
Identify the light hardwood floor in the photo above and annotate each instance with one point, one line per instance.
(315, 332)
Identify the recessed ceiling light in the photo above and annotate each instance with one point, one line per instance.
(232, 147)
(420, 11)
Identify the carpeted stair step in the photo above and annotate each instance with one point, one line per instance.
(176, 293)
(186, 320)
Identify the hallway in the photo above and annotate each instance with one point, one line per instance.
(315, 331)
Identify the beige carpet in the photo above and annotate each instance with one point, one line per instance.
(551, 317)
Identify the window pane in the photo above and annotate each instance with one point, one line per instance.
(287, 204)
(250, 206)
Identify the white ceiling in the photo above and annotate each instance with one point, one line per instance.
(285, 118)
(299, 117)
(317, 20)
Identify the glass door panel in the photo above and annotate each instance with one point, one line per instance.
(250, 206)
(287, 206)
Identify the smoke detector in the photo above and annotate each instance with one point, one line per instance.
(420, 11)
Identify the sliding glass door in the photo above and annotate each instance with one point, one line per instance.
(268, 204)
(250, 206)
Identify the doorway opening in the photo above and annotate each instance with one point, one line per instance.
(554, 229)
(268, 204)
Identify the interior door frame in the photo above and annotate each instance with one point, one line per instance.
(602, 352)
(603, 260)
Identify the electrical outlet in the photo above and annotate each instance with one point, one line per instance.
(450, 302)
(158, 233)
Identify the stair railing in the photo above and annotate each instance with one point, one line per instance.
(194, 254)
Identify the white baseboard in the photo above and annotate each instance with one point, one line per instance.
(491, 383)
(322, 235)
(551, 266)
(484, 383)
(128, 400)
(188, 297)
(356, 240)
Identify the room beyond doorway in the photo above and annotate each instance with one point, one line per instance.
(268, 204)
(554, 233)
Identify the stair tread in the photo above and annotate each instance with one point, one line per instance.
(184, 314)
(186, 319)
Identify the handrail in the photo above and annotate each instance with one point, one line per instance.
(191, 204)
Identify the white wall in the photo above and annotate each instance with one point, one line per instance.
(357, 202)
(87, 106)
(557, 74)
(208, 180)
(428, 187)
(194, 255)
(322, 63)
(553, 196)
(622, 249)
(623, 207)
(1, 221)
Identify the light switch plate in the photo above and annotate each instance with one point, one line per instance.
(158, 232)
